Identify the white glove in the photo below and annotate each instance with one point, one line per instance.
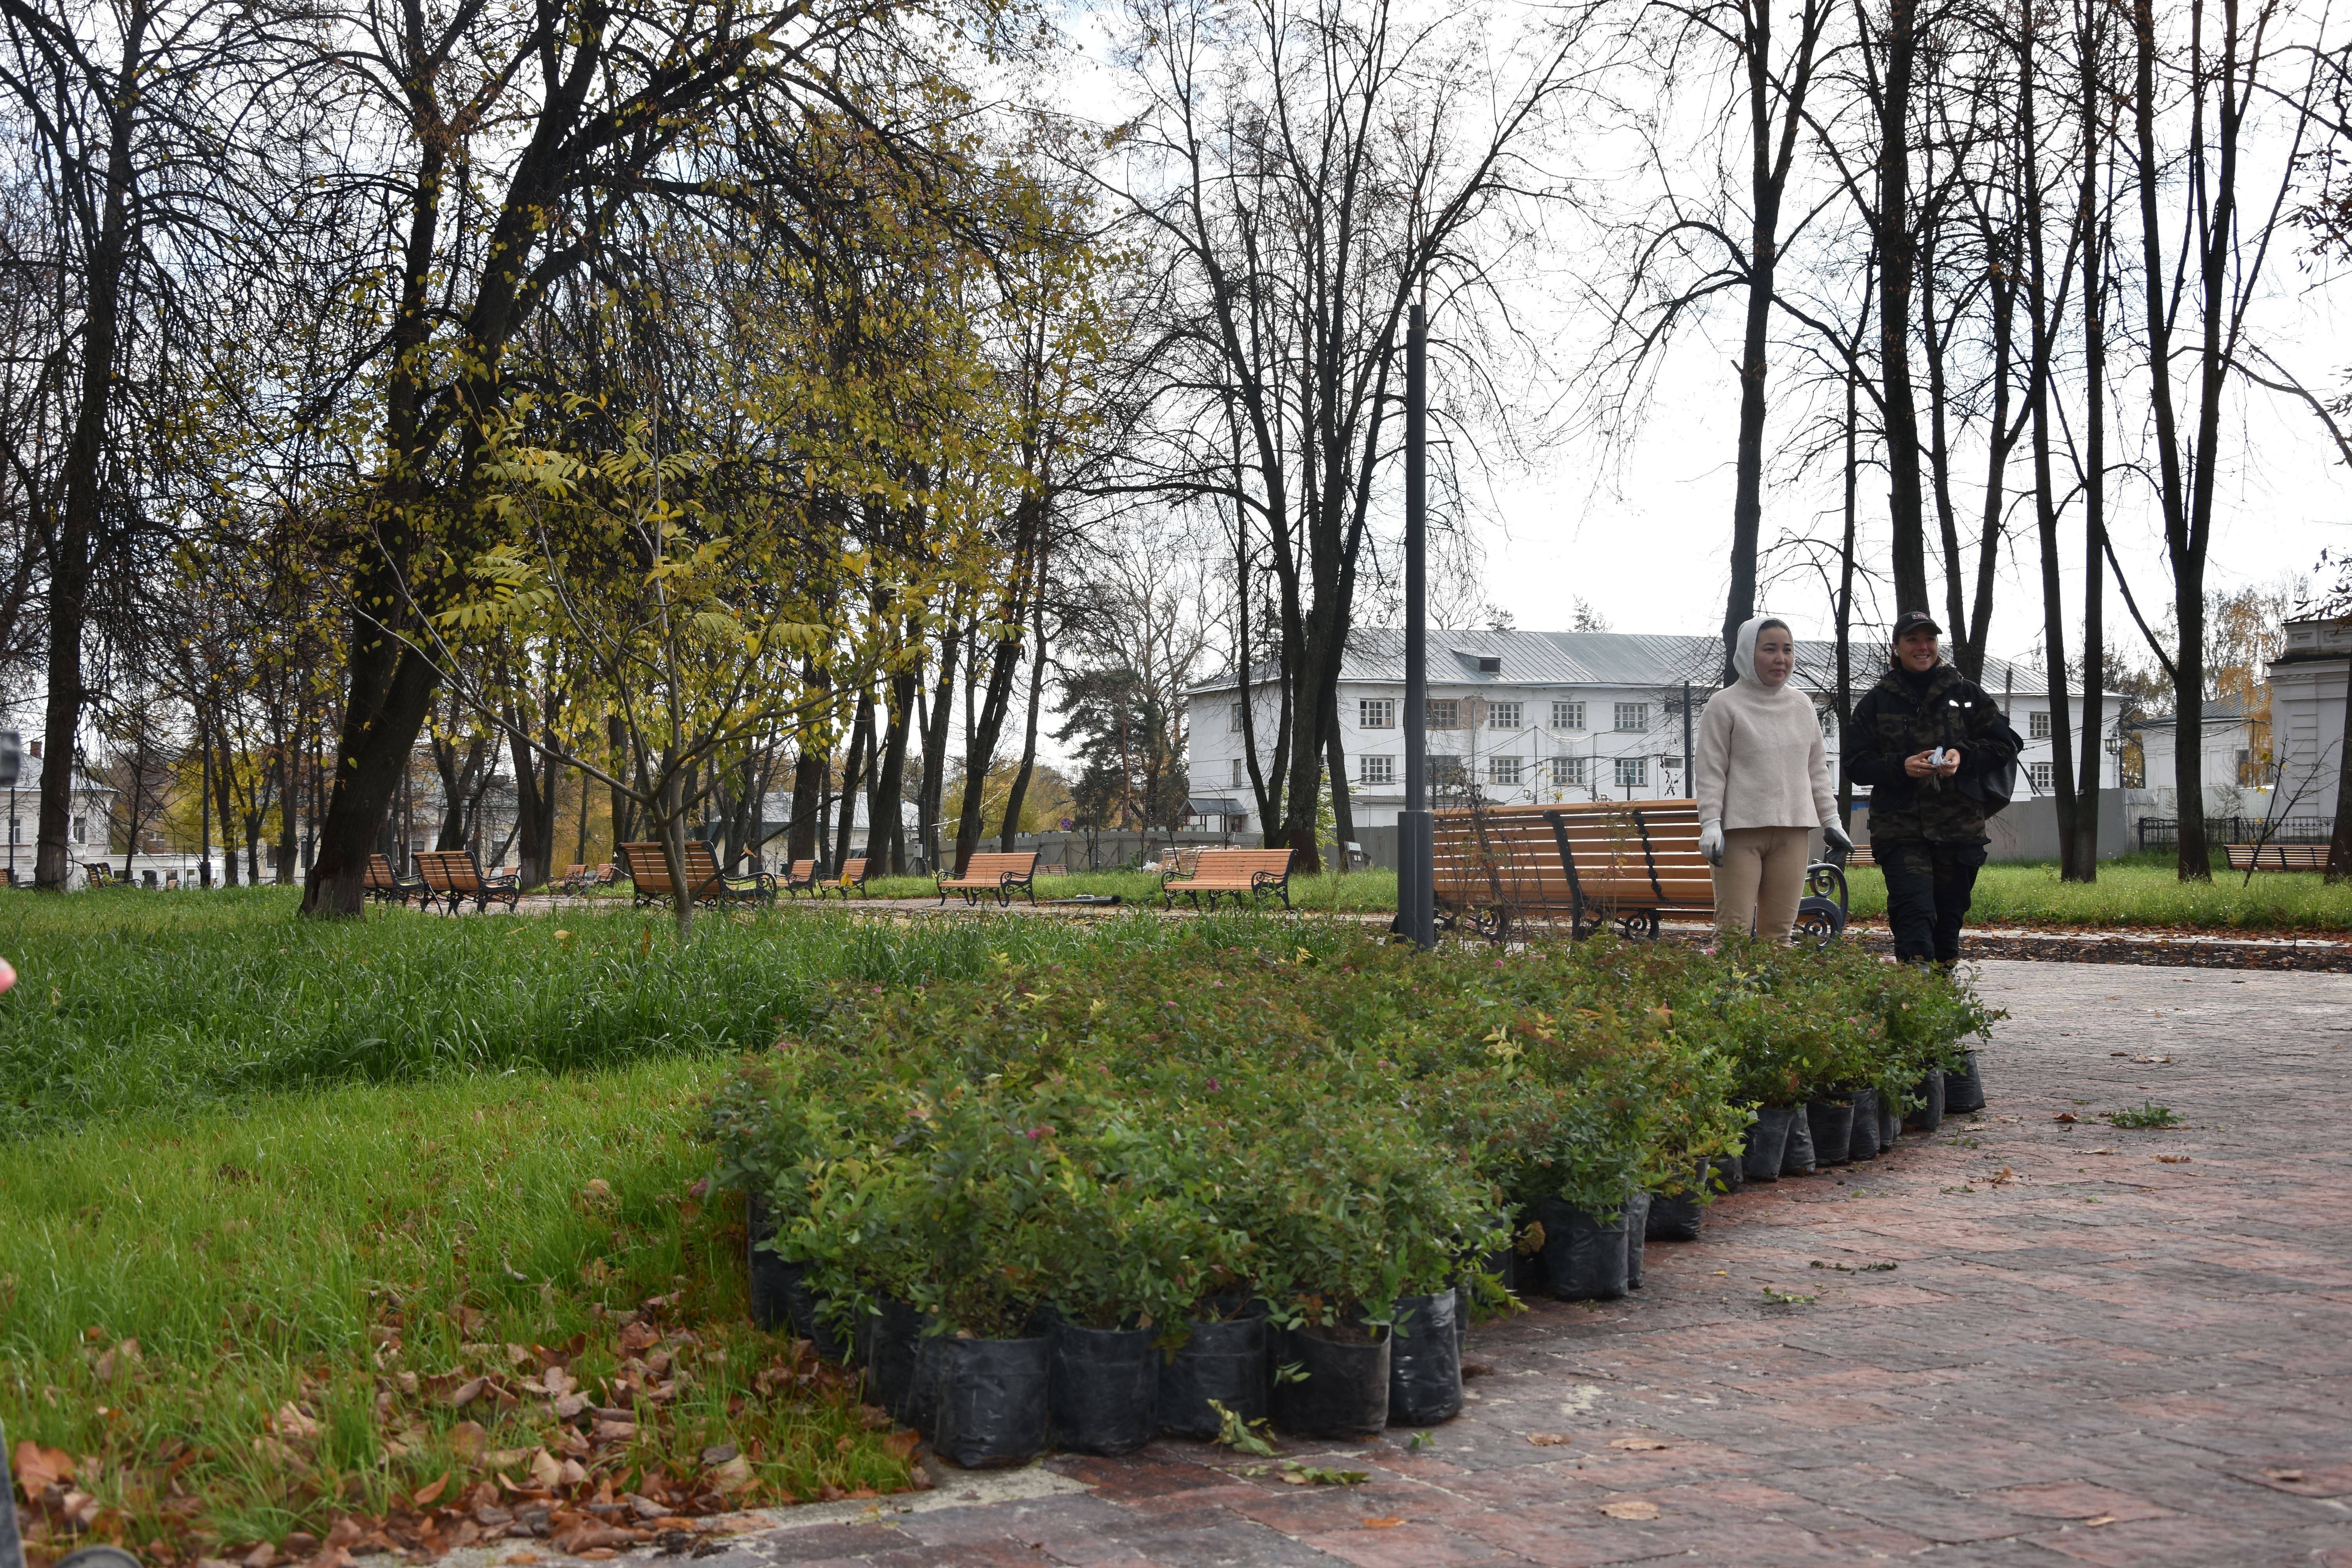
(1836, 836)
(1710, 842)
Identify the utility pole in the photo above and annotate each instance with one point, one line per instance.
(1416, 829)
(1689, 777)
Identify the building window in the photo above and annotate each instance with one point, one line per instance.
(2039, 773)
(1632, 716)
(1829, 725)
(1632, 772)
(77, 830)
(1241, 774)
(1504, 715)
(1566, 770)
(1234, 719)
(1376, 713)
(15, 829)
(1444, 770)
(1377, 769)
(1503, 770)
(1444, 713)
(1567, 715)
(2037, 724)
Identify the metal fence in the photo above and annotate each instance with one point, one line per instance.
(2160, 832)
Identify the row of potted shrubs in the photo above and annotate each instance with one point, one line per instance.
(1211, 1179)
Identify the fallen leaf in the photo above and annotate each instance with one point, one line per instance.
(330, 1557)
(1549, 1439)
(2103, 1518)
(1293, 1478)
(1631, 1508)
(545, 1470)
(731, 1478)
(290, 1421)
(347, 1532)
(901, 1445)
(2172, 1159)
(261, 1556)
(558, 1381)
(1638, 1444)
(1389, 1523)
(2066, 1116)
(2285, 1475)
(40, 1468)
(571, 1473)
(521, 1559)
(468, 1392)
(468, 1440)
(428, 1495)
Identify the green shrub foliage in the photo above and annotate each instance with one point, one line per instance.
(1326, 1124)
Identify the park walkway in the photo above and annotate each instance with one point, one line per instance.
(2095, 1346)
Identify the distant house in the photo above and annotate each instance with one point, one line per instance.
(2308, 684)
(87, 811)
(1543, 716)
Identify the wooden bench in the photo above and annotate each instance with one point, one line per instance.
(2278, 856)
(576, 878)
(648, 871)
(98, 873)
(799, 877)
(1598, 863)
(851, 881)
(386, 884)
(1236, 873)
(995, 872)
(452, 876)
(1860, 854)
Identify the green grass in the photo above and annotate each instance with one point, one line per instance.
(130, 999)
(275, 1257)
(2139, 890)
(1349, 891)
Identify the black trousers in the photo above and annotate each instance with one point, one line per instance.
(1929, 887)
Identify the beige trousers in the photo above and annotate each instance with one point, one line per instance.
(1760, 879)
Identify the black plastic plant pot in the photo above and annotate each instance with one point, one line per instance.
(1728, 1174)
(993, 1404)
(1890, 1125)
(1768, 1143)
(1964, 1090)
(1583, 1260)
(1930, 1092)
(1461, 1320)
(1345, 1392)
(1222, 1359)
(1864, 1143)
(1831, 1122)
(1637, 1232)
(1798, 1157)
(1425, 1360)
(892, 1347)
(1104, 1392)
(771, 1284)
(1674, 1217)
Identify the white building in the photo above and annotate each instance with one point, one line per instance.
(88, 813)
(2308, 684)
(1543, 716)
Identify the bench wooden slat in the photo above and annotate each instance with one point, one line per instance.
(452, 876)
(648, 870)
(2277, 856)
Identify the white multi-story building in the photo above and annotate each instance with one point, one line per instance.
(1523, 717)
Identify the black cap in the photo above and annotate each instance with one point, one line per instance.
(1910, 621)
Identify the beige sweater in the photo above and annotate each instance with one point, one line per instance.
(1761, 760)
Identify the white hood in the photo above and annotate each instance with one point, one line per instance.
(1743, 652)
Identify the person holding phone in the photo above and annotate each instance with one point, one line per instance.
(1762, 778)
(1920, 739)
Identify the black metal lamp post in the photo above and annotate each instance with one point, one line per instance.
(1416, 840)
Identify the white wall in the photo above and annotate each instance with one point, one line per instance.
(2307, 696)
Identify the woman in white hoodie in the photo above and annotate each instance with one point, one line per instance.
(1763, 785)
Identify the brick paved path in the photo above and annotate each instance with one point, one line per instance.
(2082, 1352)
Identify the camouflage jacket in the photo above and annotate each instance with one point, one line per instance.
(1889, 724)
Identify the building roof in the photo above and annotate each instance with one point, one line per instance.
(1376, 655)
(2219, 710)
(29, 779)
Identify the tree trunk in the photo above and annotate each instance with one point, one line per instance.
(986, 726)
(223, 802)
(534, 811)
(1896, 242)
(70, 563)
(2092, 225)
(932, 789)
(861, 734)
(1020, 790)
(1343, 810)
(887, 805)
